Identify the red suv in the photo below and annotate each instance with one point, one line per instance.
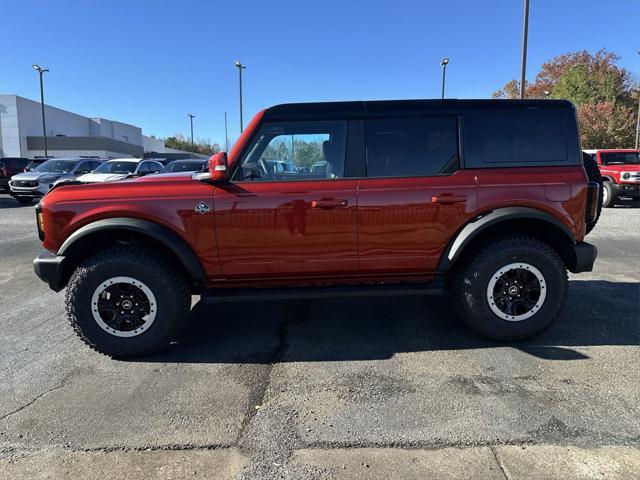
(620, 170)
(487, 199)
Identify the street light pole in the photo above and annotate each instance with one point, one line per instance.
(444, 63)
(638, 120)
(191, 115)
(525, 31)
(226, 135)
(41, 71)
(240, 68)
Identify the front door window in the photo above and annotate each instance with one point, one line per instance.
(295, 151)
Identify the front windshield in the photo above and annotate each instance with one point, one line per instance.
(56, 166)
(620, 158)
(116, 167)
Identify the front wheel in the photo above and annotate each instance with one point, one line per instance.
(609, 196)
(127, 301)
(511, 290)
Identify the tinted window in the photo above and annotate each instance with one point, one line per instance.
(295, 151)
(620, 158)
(411, 146)
(56, 166)
(145, 167)
(516, 136)
(14, 163)
(117, 167)
(84, 167)
(184, 167)
(154, 167)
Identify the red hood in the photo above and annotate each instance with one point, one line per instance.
(623, 168)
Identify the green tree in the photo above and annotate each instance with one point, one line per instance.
(202, 146)
(602, 91)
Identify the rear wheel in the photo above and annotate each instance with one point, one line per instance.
(127, 301)
(511, 290)
(609, 196)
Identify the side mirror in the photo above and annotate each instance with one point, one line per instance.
(218, 167)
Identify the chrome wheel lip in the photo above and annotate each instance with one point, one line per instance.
(496, 276)
(605, 196)
(149, 319)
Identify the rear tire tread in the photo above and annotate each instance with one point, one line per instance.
(478, 262)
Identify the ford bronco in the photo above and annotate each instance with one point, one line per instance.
(620, 170)
(486, 199)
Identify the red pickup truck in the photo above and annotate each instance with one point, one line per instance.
(620, 170)
(488, 199)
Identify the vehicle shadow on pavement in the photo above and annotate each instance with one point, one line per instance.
(10, 202)
(597, 313)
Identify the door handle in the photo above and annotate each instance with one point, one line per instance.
(448, 198)
(327, 204)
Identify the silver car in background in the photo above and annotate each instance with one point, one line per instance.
(25, 187)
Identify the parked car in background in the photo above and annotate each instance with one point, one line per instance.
(121, 168)
(185, 166)
(27, 186)
(620, 170)
(9, 166)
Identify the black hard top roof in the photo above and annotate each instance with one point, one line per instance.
(398, 107)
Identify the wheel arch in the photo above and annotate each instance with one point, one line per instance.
(100, 234)
(510, 220)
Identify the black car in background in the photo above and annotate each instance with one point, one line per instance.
(190, 165)
(9, 166)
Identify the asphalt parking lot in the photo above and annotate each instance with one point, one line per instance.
(364, 388)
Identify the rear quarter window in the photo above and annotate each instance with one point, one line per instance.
(520, 137)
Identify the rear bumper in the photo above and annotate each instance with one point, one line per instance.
(585, 255)
(50, 269)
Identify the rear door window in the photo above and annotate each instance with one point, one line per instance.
(411, 146)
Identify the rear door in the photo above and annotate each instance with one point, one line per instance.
(289, 224)
(415, 197)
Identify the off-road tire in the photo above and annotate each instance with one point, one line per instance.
(166, 282)
(470, 283)
(593, 173)
(612, 197)
(24, 201)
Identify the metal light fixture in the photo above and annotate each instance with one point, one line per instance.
(443, 64)
(240, 67)
(41, 72)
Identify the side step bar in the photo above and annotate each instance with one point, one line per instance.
(224, 295)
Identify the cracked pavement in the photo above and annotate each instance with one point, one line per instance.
(359, 388)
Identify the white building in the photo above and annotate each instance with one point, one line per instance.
(69, 134)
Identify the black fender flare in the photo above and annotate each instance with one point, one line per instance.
(160, 233)
(476, 226)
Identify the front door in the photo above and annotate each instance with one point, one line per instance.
(415, 197)
(289, 211)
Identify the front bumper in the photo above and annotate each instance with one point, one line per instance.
(627, 189)
(50, 268)
(26, 193)
(585, 257)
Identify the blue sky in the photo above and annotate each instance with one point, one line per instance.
(150, 62)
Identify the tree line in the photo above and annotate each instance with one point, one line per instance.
(605, 95)
(202, 146)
